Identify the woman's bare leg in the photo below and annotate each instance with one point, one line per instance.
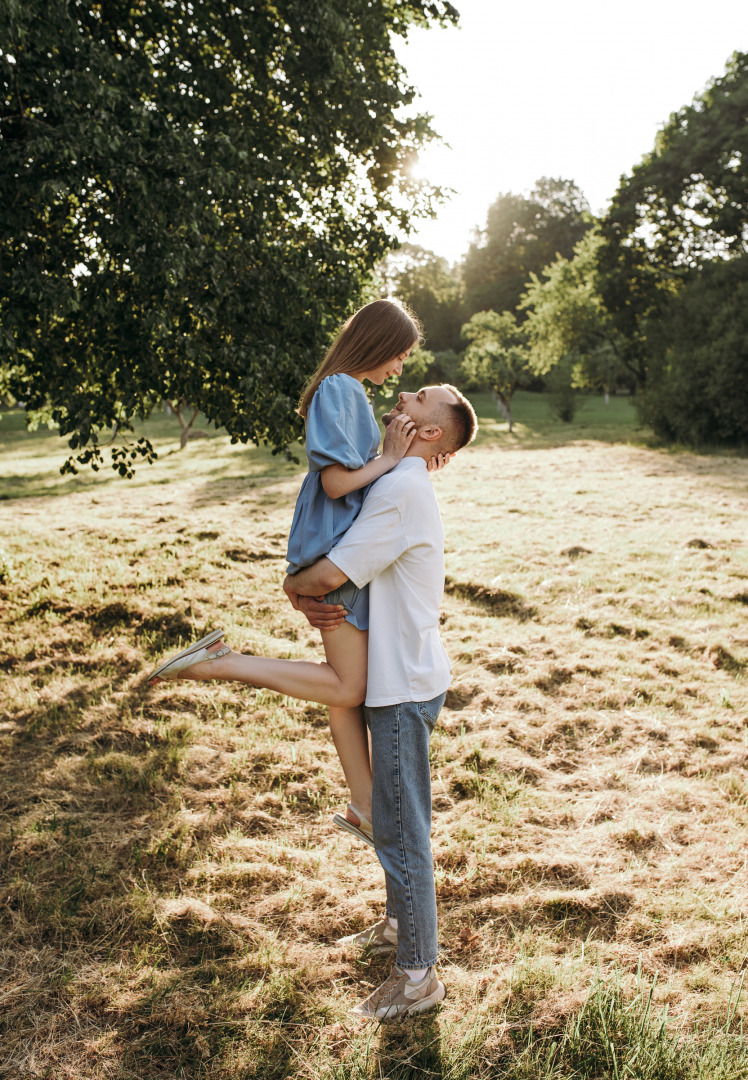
(340, 683)
(348, 729)
(343, 684)
(347, 725)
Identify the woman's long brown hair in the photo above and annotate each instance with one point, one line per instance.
(376, 333)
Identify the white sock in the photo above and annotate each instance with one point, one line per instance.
(392, 922)
(416, 974)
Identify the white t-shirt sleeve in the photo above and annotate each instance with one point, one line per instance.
(372, 543)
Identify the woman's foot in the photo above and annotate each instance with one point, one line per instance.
(355, 823)
(351, 814)
(206, 669)
(198, 661)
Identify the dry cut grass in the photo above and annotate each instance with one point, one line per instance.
(170, 881)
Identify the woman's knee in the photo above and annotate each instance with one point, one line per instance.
(352, 698)
(352, 691)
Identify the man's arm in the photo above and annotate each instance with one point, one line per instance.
(306, 589)
(315, 580)
(374, 541)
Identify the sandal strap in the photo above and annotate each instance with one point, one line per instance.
(219, 653)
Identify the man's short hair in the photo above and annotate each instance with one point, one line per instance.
(457, 420)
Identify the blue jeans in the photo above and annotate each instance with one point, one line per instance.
(401, 817)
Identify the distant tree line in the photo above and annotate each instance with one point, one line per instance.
(651, 298)
(193, 197)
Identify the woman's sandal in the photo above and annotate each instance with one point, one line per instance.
(363, 831)
(193, 654)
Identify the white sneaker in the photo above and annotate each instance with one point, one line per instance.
(400, 996)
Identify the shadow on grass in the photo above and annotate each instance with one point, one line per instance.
(412, 1047)
(34, 485)
(218, 488)
(85, 854)
(496, 602)
(44, 452)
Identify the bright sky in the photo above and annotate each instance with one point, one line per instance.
(565, 88)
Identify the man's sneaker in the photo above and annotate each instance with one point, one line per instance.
(380, 937)
(400, 996)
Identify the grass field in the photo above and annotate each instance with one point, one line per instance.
(170, 881)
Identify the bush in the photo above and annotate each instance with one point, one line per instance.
(563, 397)
(697, 388)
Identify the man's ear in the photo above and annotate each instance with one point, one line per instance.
(431, 433)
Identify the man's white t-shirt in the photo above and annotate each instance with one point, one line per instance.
(396, 546)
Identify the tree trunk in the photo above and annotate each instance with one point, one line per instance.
(503, 407)
(187, 433)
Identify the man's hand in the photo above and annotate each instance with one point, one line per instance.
(322, 616)
(438, 462)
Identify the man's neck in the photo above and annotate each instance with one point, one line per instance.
(424, 451)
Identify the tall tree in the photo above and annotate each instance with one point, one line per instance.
(567, 322)
(427, 284)
(522, 235)
(681, 213)
(190, 198)
(497, 356)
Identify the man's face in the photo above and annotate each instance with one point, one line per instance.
(422, 406)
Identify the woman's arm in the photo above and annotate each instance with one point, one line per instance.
(338, 481)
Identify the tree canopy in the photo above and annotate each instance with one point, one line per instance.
(497, 355)
(686, 203)
(676, 256)
(428, 285)
(522, 235)
(697, 387)
(567, 321)
(191, 196)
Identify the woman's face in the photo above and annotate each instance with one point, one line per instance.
(385, 371)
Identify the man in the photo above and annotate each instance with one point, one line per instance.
(396, 546)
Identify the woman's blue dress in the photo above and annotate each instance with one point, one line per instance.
(340, 429)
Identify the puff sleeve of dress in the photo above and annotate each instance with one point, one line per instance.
(339, 425)
(340, 430)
